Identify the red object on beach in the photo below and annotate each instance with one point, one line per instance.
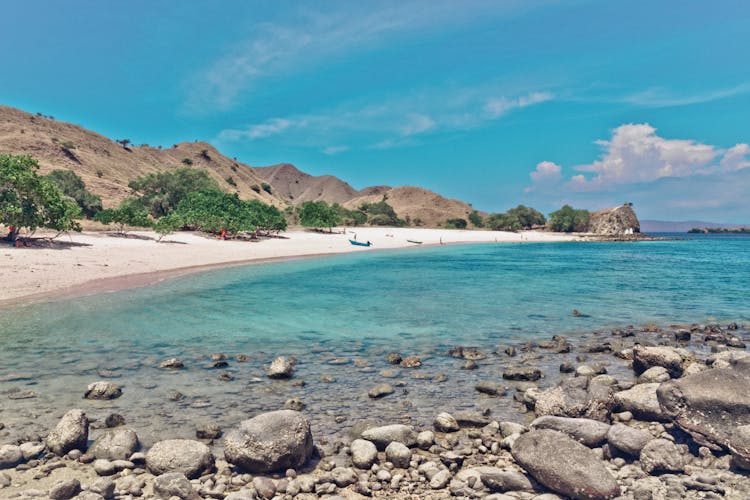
(223, 234)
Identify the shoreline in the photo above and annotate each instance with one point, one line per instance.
(111, 263)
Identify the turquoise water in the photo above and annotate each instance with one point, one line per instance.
(358, 306)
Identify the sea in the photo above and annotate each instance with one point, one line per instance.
(339, 317)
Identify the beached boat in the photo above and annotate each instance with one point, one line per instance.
(359, 243)
(415, 242)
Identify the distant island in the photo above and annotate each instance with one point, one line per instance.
(733, 230)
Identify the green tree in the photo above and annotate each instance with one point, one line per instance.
(128, 213)
(160, 193)
(381, 214)
(73, 186)
(318, 214)
(569, 219)
(30, 201)
(527, 217)
(167, 225)
(456, 223)
(476, 219)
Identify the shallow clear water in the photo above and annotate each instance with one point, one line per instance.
(360, 306)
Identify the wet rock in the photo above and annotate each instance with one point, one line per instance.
(210, 430)
(71, 433)
(411, 362)
(175, 396)
(364, 453)
(10, 456)
(393, 358)
(272, 441)
(425, 439)
(564, 465)
(343, 476)
(172, 363)
(522, 373)
(30, 450)
(295, 404)
(116, 444)
(490, 387)
(711, 405)
(468, 418)
(103, 390)
(104, 467)
(576, 397)
(586, 431)
(281, 368)
(648, 357)
(655, 374)
(264, 486)
(114, 420)
(398, 454)
(380, 390)
(642, 402)
(191, 458)
(470, 353)
(469, 365)
(628, 439)
(508, 428)
(173, 484)
(445, 422)
(65, 489)
(662, 455)
(567, 367)
(384, 435)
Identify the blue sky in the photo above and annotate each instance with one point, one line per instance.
(497, 103)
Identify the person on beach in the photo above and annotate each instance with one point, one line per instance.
(223, 234)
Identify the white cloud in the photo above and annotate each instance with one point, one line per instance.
(658, 97)
(334, 150)
(546, 174)
(274, 126)
(498, 106)
(736, 158)
(636, 154)
(418, 124)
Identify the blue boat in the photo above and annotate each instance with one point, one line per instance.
(359, 243)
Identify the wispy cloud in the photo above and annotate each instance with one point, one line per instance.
(334, 150)
(659, 97)
(309, 37)
(498, 106)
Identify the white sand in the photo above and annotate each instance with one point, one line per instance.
(103, 263)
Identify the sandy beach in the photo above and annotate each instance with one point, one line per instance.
(94, 262)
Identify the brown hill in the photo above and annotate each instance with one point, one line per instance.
(417, 204)
(296, 186)
(106, 166)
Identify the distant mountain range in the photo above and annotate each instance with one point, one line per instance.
(665, 226)
(107, 166)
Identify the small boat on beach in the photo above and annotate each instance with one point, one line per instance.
(414, 241)
(359, 243)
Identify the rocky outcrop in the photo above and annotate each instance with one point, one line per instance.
(617, 221)
(272, 441)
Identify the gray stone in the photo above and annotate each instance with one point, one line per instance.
(642, 402)
(31, 450)
(576, 397)
(739, 445)
(648, 357)
(295, 404)
(384, 435)
(662, 455)
(281, 367)
(712, 405)
(103, 486)
(364, 453)
(398, 454)
(440, 479)
(343, 476)
(507, 428)
(445, 422)
(265, 487)
(191, 458)
(425, 439)
(10, 456)
(564, 465)
(628, 439)
(522, 373)
(505, 480)
(116, 444)
(65, 489)
(173, 484)
(103, 390)
(380, 390)
(129, 485)
(584, 430)
(71, 433)
(490, 387)
(209, 430)
(172, 363)
(468, 418)
(654, 374)
(272, 441)
(104, 467)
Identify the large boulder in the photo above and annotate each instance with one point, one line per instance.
(662, 455)
(628, 439)
(669, 358)
(641, 401)
(577, 397)
(616, 221)
(71, 433)
(191, 458)
(712, 406)
(385, 435)
(584, 430)
(116, 444)
(281, 367)
(564, 465)
(272, 441)
(364, 453)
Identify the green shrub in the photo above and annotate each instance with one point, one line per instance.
(569, 219)
(230, 181)
(318, 214)
(73, 186)
(456, 223)
(129, 213)
(255, 188)
(160, 193)
(266, 187)
(187, 161)
(476, 219)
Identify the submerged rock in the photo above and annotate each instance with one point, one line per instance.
(281, 367)
(103, 390)
(172, 363)
(564, 465)
(522, 373)
(272, 441)
(380, 390)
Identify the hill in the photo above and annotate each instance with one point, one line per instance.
(665, 226)
(615, 221)
(291, 183)
(107, 166)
